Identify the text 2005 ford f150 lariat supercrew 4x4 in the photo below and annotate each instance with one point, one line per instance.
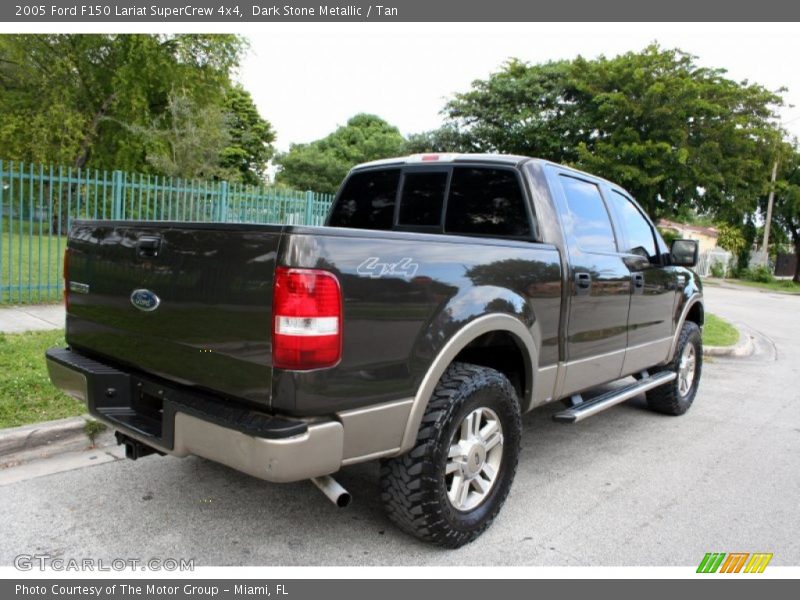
(447, 296)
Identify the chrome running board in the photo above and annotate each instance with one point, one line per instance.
(583, 410)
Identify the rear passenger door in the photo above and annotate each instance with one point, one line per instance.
(599, 284)
(653, 289)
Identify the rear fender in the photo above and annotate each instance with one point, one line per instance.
(512, 323)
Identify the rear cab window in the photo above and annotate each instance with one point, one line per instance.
(476, 200)
(422, 198)
(367, 200)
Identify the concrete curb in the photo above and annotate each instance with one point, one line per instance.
(38, 437)
(744, 347)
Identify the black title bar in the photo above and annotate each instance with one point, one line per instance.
(208, 11)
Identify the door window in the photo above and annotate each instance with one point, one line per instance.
(587, 216)
(638, 230)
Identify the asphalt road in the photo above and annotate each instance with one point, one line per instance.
(626, 487)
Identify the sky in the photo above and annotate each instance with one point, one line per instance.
(309, 78)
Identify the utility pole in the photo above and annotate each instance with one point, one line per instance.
(770, 199)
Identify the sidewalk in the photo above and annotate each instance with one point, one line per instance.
(733, 285)
(32, 317)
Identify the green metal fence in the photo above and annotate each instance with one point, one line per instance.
(38, 204)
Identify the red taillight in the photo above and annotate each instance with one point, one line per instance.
(66, 279)
(307, 319)
(429, 157)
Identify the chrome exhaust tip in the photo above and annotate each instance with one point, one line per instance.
(332, 490)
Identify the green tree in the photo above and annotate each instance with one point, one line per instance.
(322, 164)
(89, 95)
(522, 109)
(251, 137)
(669, 235)
(50, 134)
(188, 140)
(731, 238)
(675, 134)
(445, 139)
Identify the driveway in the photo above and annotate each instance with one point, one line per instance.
(626, 487)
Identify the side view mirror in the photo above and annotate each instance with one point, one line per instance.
(684, 253)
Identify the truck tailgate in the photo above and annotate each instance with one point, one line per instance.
(187, 302)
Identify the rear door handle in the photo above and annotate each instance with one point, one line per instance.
(148, 246)
(638, 282)
(583, 283)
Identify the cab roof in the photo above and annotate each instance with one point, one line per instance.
(444, 158)
(433, 158)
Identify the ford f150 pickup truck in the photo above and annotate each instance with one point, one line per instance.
(445, 296)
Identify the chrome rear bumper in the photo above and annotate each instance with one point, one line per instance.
(270, 448)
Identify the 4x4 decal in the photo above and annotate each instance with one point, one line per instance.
(374, 268)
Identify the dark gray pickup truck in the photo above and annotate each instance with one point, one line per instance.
(446, 296)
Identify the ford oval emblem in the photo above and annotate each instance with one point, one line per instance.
(145, 300)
